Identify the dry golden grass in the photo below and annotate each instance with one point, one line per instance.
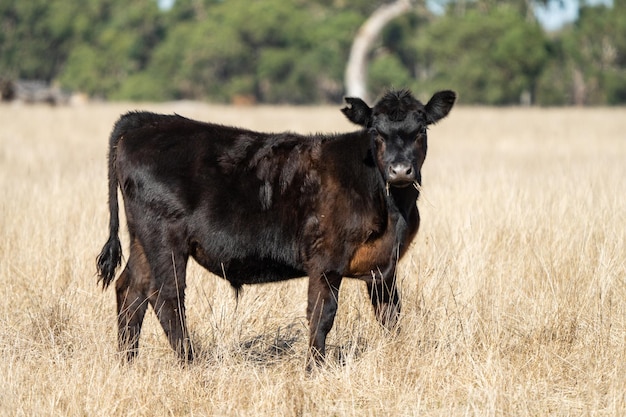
(514, 291)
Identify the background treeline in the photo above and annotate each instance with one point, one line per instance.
(277, 51)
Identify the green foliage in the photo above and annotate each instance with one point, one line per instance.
(274, 51)
(595, 49)
(387, 71)
(295, 51)
(115, 51)
(490, 58)
(33, 30)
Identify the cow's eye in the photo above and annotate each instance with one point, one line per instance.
(420, 135)
(414, 136)
(379, 137)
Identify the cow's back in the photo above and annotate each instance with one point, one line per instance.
(241, 197)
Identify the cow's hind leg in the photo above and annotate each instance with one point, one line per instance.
(167, 297)
(386, 301)
(132, 302)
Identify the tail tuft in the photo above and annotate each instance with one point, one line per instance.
(109, 259)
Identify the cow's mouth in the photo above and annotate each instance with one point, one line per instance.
(403, 184)
(400, 183)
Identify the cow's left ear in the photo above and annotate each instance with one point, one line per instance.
(439, 105)
(358, 112)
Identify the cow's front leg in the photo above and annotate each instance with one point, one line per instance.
(385, 298)
(323, 295)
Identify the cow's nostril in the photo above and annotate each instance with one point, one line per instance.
(400, 171)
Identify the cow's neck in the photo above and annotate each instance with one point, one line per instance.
(404, 200)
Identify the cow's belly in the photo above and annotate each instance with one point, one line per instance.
(256, 271)
(245, 268)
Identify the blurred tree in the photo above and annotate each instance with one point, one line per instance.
(388, 71)
(277, 51)
(273, 51)
(491, 58)
(525, 8)
(356, 68)
(595, 55)
(36, 37)
(118, 44)
(310, 59)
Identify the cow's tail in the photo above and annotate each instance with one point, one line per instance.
(111, 255)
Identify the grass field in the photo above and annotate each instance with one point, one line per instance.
(514, 291)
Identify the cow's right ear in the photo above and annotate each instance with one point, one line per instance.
(358, 112)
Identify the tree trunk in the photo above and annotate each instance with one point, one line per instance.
(356, 70)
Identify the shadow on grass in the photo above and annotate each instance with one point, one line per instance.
(272, 348)
(286, 344)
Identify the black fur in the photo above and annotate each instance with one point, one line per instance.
(257, 207)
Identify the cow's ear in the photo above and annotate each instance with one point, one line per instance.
(358, 112)
(439, 105)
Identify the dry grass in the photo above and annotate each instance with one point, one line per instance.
(514, 291)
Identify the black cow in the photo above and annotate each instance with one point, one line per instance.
(258, 207)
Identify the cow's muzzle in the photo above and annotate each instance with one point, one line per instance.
(400, 175)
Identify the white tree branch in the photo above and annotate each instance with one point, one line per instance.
(356, 70)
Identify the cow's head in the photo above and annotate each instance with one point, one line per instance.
(397, 125)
